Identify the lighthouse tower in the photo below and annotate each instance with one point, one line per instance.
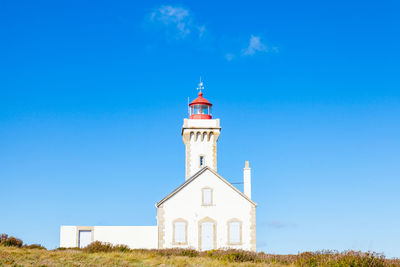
(200, 135)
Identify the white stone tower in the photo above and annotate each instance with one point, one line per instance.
(200, 135)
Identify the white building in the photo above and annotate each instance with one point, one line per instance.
(205, 212)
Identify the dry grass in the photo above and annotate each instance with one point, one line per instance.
(14, 256)
(11, 256)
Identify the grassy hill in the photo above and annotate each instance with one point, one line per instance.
(14, 253)
(14, 256)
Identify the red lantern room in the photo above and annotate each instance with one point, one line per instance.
(200, 108)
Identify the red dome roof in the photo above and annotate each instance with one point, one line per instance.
(200, 108)
(200, 100)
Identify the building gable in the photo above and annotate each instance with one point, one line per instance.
(197, 175)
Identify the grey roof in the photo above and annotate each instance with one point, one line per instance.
(197, 174)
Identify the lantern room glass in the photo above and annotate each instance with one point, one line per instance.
(200, 109)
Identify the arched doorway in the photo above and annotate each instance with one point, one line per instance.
(207, 234)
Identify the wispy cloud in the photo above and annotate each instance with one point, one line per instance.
(230, 57)
(202, 30)
(279, 224)
(177, 21)
(255, 45)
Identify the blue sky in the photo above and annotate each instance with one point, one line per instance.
(93, 96)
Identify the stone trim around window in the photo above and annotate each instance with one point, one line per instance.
(207, 219)
(173, 231)
(202, 196)
(84, 228)
(229, 233)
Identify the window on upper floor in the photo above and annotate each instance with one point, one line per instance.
(234, 232)
(207, 196)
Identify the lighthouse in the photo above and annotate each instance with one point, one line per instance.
(200, 134)
(204, 212)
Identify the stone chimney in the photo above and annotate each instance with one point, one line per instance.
(247, 179)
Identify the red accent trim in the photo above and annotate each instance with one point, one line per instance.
(200, 100)
(200, 117)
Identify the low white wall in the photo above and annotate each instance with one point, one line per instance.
(68, 236)
(132, 236)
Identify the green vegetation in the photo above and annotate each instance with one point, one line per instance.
(11, 241)
(13, 253)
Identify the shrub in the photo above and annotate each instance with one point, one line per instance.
(347, 258)
(234, 255)
(3, 237)
(98, 246)
(175, 252)
(121, 248)
(11, 241)
(190, 253)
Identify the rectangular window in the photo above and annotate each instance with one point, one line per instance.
(180, 232)
(234, 232)
(207, 196)
(201, 161)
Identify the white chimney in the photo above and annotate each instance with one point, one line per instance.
(247, 180)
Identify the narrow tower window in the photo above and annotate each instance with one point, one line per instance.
(201, 161)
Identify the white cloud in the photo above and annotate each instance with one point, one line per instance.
(255, 45)
(177, 20)
(202, 30)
